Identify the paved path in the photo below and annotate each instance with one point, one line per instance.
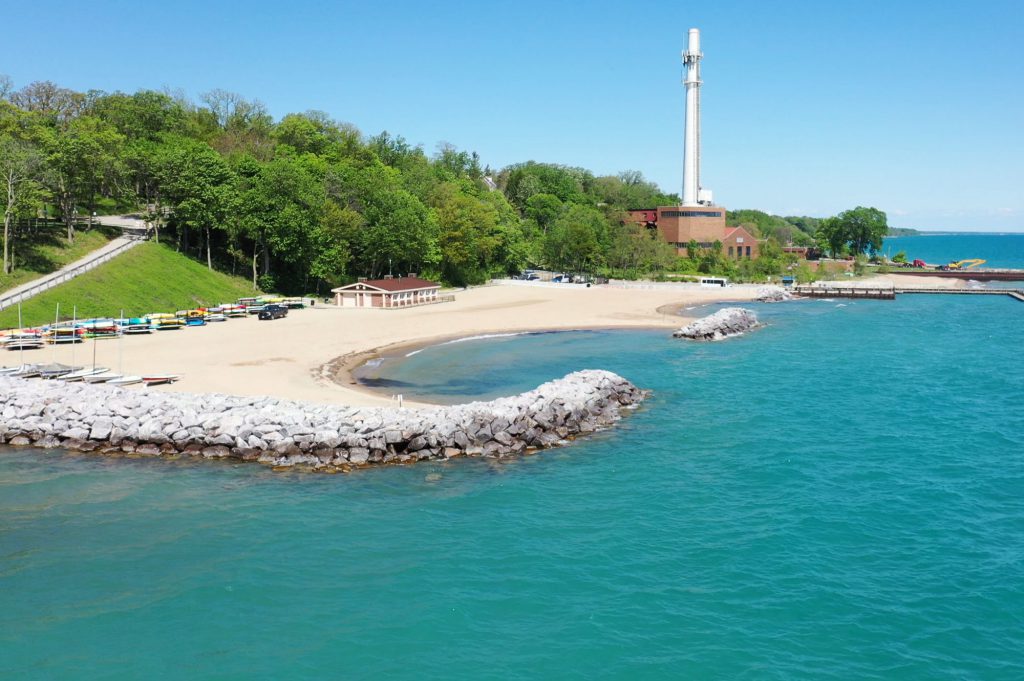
(84, 264)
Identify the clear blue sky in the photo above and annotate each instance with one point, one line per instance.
(916, 108)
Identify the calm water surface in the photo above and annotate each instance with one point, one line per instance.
(998, 250)
(837, 495)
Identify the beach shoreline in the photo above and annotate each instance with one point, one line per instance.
(343, 370)
(311, 354)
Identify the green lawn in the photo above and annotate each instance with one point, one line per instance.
(49, 251)
(148, 278)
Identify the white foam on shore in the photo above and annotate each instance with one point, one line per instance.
(482, 336)
(485, 336)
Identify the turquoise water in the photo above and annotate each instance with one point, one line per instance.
(999, 250)
(837, 495)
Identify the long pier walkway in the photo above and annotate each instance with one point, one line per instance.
(1015, 293)
(877, 293)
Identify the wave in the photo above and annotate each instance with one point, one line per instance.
(484, 336)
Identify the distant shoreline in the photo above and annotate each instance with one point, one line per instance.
(931, 232)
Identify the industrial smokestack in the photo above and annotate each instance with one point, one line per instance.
(691, 134)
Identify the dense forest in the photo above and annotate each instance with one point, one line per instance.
(306, 202)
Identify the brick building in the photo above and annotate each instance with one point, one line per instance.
(679, 225)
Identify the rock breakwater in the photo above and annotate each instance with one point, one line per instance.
(729, 321)
(278, 432)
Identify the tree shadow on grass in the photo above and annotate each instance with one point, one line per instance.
(33, 249)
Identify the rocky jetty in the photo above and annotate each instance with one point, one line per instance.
(110, 420)
(729, 321)
(772, 294)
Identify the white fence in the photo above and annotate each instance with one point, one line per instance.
(58, 278)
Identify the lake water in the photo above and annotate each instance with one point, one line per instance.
(998, 250)
(839, 494)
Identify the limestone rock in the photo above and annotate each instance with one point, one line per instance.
(729, 321)
(772, 294)
(282, 433)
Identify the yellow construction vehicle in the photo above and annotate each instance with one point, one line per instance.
(970, 263)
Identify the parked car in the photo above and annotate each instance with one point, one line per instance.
(273, 312)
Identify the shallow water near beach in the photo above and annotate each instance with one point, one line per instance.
(838, 494)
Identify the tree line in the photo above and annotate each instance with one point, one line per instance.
(306, 202)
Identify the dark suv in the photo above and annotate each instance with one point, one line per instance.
(273, 312)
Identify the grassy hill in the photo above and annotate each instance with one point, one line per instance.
(148, 278)
(48, 251)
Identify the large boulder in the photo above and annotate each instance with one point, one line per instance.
(729, 321)
(772, 294)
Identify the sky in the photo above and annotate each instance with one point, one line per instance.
(808, 108)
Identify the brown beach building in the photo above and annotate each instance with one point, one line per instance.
(388, 292)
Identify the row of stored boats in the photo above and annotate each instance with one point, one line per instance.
(77, 331)
(63, 372)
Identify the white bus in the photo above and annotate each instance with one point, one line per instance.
(714, 282)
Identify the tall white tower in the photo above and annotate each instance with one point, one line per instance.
(693, 195)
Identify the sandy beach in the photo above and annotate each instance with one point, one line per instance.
(308, 355)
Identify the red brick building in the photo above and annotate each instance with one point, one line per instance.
(678, 225)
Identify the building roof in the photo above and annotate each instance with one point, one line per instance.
(390, 285)
(731, 231)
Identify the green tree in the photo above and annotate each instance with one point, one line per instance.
(831, 236)
(636, 249)
(864, 228)
(19, 167)
(332, 248)
(468, 238)
(575, 240)
(544, 209)
(197, 183)
(80, 162)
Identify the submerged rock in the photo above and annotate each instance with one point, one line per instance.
(729, 321)
(285, 433)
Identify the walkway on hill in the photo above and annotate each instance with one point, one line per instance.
(134, 231)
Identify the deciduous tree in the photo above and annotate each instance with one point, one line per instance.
(19, 167)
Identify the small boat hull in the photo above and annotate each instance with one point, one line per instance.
(82, 375)
(125, 380)
(23, 344)
(160, 379)
(101, 378)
